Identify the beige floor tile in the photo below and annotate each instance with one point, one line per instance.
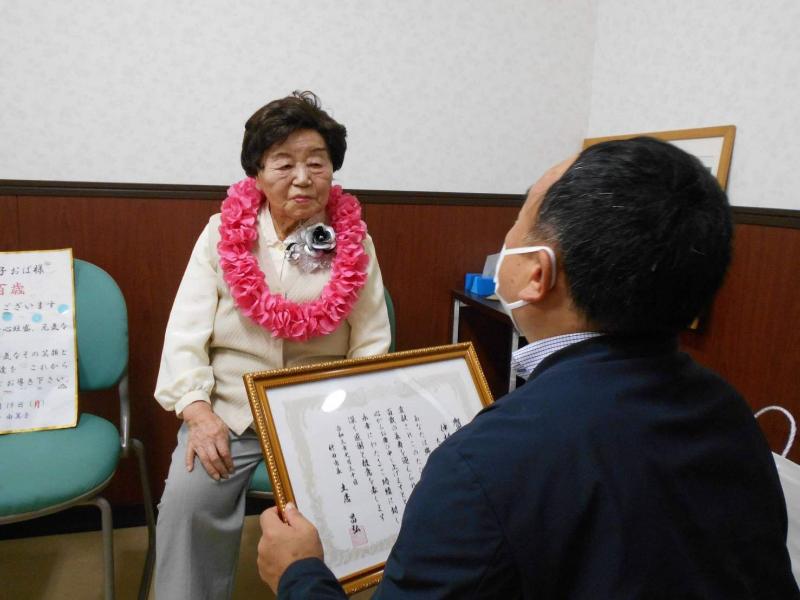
(70, 566)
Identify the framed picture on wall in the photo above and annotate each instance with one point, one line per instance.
(346, 442)
(712, 145)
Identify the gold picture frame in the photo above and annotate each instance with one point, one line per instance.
(329, 433)
(712, 145)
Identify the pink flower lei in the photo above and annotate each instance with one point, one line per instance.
(245, 279)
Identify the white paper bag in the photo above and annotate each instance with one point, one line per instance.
(790, 481)
(789, 473)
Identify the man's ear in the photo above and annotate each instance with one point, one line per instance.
(539, 279)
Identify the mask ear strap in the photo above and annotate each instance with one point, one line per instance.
(529, 249)
(516, 304)
(552, 256)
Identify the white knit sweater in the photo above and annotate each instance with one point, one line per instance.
(209, 344)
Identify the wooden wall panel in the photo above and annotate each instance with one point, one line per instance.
(424, 248)
(144, 245)
(424, 252)
(8, 223)
(752, 336)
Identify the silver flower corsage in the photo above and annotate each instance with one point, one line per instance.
(311, 248)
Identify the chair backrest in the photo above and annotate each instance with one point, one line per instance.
(392, 325)
(102, 327)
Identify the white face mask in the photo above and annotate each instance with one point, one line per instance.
(508, 307)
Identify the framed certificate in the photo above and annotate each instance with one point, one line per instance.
(346, 441)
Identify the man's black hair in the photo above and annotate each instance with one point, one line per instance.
(644, 235)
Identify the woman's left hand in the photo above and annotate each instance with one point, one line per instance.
(208, 439)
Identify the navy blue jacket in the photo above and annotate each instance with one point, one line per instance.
(621, 469)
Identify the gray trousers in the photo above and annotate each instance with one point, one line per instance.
(200, 524)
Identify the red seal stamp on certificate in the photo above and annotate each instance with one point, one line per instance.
(358, 536)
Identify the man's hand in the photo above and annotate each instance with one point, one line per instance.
(208, 439)
(282, 543)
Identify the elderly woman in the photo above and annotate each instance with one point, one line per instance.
(285, 275)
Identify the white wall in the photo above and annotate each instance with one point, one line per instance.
(677, 64)
(468, 96)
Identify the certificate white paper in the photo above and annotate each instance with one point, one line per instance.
(352, 445)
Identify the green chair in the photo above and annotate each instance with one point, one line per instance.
(392, 324)
(260, 485)
(44, 472)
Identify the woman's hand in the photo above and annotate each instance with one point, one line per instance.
(208, 439)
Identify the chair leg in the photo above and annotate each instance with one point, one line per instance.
(150, 559)
(108, 544)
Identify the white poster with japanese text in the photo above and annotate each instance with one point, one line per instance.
(38, 347)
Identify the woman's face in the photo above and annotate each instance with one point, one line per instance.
(296, 178)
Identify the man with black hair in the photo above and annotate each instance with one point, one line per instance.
(621, 469)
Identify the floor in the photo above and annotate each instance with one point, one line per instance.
(71, 566)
